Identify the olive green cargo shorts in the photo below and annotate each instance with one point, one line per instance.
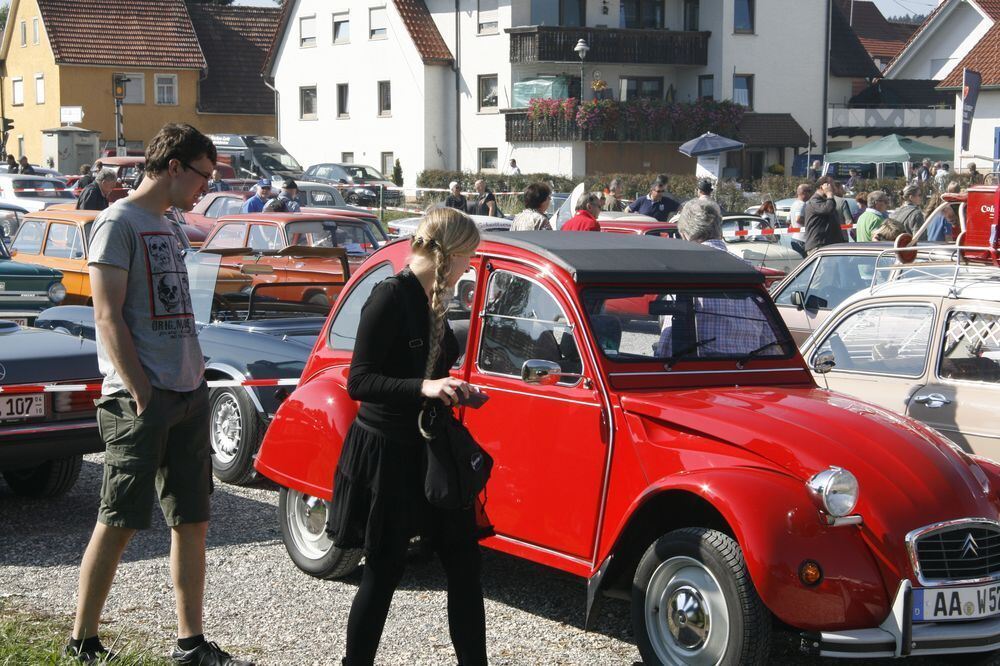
(166, 450)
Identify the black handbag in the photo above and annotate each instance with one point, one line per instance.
(457, 467)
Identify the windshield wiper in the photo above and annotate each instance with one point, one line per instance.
(740, 364)
(687, 351)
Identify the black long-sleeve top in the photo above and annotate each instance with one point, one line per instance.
(390, 353)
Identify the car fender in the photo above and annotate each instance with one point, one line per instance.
(214, 369)
(302, 445)
(778, 527)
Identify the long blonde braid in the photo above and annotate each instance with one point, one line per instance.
(443, 233)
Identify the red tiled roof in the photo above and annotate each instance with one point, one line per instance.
(122, 33)
(991, 7)
(423, 31)
(235, 42)
(879, 37)
(983, 58)
(416, 17)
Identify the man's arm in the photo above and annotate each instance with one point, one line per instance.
(107, 286)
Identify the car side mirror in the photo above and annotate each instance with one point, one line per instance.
(824, 362)
(798, 299)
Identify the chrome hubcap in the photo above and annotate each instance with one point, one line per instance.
(227, 428)
(306, 518)
(687, 618)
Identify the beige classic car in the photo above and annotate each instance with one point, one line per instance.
(925, 347)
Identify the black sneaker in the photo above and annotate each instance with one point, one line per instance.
(90, 657)
(207, 654)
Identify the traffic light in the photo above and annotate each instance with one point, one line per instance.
(118, 85)
(6, 124)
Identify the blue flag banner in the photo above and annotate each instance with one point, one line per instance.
(970, 93)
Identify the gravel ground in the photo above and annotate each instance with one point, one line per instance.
(258, 604)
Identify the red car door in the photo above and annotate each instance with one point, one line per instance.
(548, 442)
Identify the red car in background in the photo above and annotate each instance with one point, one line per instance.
(703, 476)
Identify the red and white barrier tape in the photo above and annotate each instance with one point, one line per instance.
(94, 388)
(775, 232)
(40, 189)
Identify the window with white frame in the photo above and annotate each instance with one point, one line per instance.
(166, 89)
(388, 161)
(39, 89)
(487, 92)
(384, 98)
(343, 110)
(341, 27)
(24, 33)
(35, 30)
(378, 23)
(488, 23)
(743, 89)
(307, 103)
(135, 88)
(17, 91)
(307, 31)
(488, 158)
(347, 158)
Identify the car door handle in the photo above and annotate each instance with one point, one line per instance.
(932, 400)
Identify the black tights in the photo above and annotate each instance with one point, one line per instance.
(382, 573)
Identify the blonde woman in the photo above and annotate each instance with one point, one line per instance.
(401, 358)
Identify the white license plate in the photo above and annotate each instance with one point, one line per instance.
(956, 603)
(21, 407)
(20, 321)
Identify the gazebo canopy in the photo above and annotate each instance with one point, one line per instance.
(892, 148)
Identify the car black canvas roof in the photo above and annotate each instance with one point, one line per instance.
(592, 257)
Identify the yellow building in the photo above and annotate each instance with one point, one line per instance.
(200, 67)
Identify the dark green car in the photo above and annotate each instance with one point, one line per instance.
(27, 289)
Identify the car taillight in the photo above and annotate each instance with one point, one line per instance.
(76, 401)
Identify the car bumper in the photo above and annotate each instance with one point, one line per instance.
(899, 636)
(34, 443)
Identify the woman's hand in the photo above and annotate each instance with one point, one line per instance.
(447, 390)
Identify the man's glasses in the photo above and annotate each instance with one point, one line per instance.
(658, 191)
(206, 176)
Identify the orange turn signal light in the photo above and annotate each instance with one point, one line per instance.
(810, 573)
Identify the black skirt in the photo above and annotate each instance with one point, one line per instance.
(378, 494)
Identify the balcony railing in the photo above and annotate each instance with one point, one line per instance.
(608, 45)
(522, 129)
(889, 118)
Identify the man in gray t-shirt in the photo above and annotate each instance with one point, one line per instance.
(154, 414)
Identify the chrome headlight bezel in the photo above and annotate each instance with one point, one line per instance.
(57, 292)
(835, 490)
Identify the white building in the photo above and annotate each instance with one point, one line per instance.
(418, 81)
(959, 35)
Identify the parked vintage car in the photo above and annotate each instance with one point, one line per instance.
(44, 435)
(26, 289)
(245, 334)
(10, 220)
(33, 193)
(710, 481)
(406, 226)
(362, 185)
(301, 248)
(927, 347)
(60, 239)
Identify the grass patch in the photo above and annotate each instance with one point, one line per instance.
(30, 637)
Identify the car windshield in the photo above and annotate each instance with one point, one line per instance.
(35, 188)
(355, 238)
(669, 325)
(4, 253)
(276, 160)
(363, 173)
(221, 293)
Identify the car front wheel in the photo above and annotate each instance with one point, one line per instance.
(303, 529)
(693, 603)
(235, 433)
(50, 479)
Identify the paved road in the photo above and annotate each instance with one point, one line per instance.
(259, 604)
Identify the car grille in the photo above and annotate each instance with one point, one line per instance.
(959, 552)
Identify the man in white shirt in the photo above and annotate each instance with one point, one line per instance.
(514, 169)
(796, 214)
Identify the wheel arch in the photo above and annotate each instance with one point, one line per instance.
(215, 371)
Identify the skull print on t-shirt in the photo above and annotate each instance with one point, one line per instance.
(167, 277)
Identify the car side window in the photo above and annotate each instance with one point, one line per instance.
(215, 209)
(838, 277)
(29, 237)
(321, 198)
(63, 241)
(264, 237)
(460, 312)
(883, 340)
(229, 235)
(799, 283)
(344, 329)
(523, 321)
(971, 348)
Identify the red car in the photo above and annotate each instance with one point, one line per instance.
(682, 458)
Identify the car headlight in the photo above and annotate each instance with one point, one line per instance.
(836, 490)
(368, 193)
(57, 292)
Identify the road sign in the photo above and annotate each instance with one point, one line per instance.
(71, 114)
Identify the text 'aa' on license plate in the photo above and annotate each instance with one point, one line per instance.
(956, 603)
(21, 406)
